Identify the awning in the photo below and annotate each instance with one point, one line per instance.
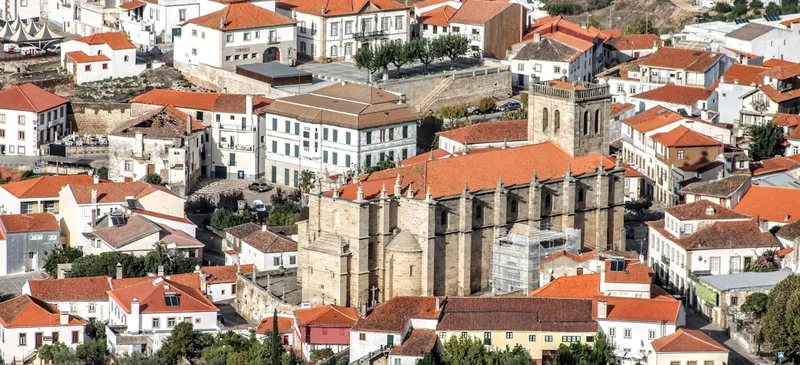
(135, 4)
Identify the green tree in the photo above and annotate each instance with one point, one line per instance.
(276, 349)
(92, 352)
(421, 49)
(27, 174)
(453, 112)
(48, 352)
(365, 59)
(222, 218)
(638, 206)
(382, 57)
(766, 262)
(563, 8)
(593, 22)
(401, 54)
(772, 9)
(180, 343)
(486, 105)
(781, 323)
(283, 215)
(103, 173)
(764, 141)
(430, 125)
(137, 358)
(756, 4)
(430, 358)
(642, 26)
(788, 6)
(96, 330)
(602, 351)
(381, 165)
(306, 181)
(722, 7)
(452, 45)
(463, 350)
(105, 264)
(289, 358)
(755, 305)
(154, 179)
(60, 255)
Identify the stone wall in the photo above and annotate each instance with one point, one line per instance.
(465, 88)
(19, 65)
(98, 117)
(254, 303)
(227, 81)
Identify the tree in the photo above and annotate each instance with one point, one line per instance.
(222, 218)
(642, 26)
(47, 352)
(382, 57)
(230, 200)
(602, 352)
(92, 352)
(463, 350)
(27, 174)
(306, 181)
(426, 132)
(137, 358)
(764, 141)
(593, 22)
(60, 255)
(563, 8)
(430, 358)
(453, 112)
(756, 4)
(765, 262)
(722, 8)
(781, 323)
(788, 6)
(452, 45)
(638, 206)
(381, 165)
(103, 173)
(96, 330)
(772, 9)
(401, 54)
(154, 179)
(514, 114)
(755, 305)
(285, 214)
(276, 350)
(420, 48)
(105, 264)
(364, 59)
(486, 105)
(180, 343)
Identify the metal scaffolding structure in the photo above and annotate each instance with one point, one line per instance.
(518, 253)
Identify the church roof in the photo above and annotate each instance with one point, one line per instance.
(405, 241)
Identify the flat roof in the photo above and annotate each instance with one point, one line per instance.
(274, 70)
(745, 280)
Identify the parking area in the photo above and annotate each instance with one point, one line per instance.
(214, 187)
(11, 285)
(347, 70)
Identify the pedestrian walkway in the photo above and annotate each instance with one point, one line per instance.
(737, 356)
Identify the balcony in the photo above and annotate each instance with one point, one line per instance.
(274, 39)
(234, 147)
(475, 37)
(232, 127)
(370, 34)
(664, 260)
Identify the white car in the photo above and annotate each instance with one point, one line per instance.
(259, 206)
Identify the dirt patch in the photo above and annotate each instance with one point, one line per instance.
(10, 174)
(664, 15)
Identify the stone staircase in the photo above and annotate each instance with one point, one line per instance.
(430, 98)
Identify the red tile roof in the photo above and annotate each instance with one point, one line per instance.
(427, 156)
(285, 325)
(676, 94)
(224, 274)
(631, 309)
(721, 235)
(392, 315)
(563, 253)
(165, 123)
(491, 132)
(92, 288)
(327, 316)
(653, 118)
(778, 96)
(30, 98)
(44, 186)
(631, 42)
(241, 15)
(150, 295)
(339, 7)
(80, 57)
(618, 108)
(783, 72)
(225, 103)
(550, 24)
(160, 215)
(774, 164)
(517, 314)
(114, 40)
(115, 192)
(574, 42)
(685, 137)
(769, 203)
(744, 74)
(417, 343)
(703, 210)
(682, 59)
(427, 3)
(774, 62)
(439, 16)
(579, 287)
(191, 280)
(130, 5)
(265, 241)
(687, 340)
(786, 120)
(32, 222)
(634, 273)
(478, 12)
(27, 311)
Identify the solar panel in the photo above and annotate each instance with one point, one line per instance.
(772, 18)
(117, 221)
(741, 21)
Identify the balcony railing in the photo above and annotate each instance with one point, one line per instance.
(235, 147)
(664, 260)
(274, 39)
(231, 127)
(475, 37)
(369, 34)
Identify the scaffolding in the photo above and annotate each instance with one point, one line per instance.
(518, 253)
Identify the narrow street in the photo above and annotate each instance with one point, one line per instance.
(737, 356)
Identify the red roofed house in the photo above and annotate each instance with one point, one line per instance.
(703, 238)
(344, 26)
(285, 328)
(25, 239)
(323, 327)
(687, 100)
(221, 280)
(509, 133)
(738, 80)
(144, 314)
(779, 92)
(101, 56)
(687, 345)
(565, 263)
(238, 34)
(148, 23)
(38, 195)
(137, 234)
(681, 66)
(251, 244)
(27, 323)
(166, 142)
(551, 57)
(770, 205)
(632, 46)
(31, 117)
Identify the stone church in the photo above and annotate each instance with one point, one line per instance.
(428, 228)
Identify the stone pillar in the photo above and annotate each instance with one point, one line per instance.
(359, 261)
(602, 209)
(534, 202)
(500, 209)
(568, 200)
(464, 241)
(428, 252)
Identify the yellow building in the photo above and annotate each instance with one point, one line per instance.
(539, 325)
(687, 347)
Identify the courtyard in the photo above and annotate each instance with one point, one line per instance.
(347, 70)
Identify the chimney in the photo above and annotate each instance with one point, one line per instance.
(704, 115)
(437, 303)
(64, 318)
(135, 319)
(202, 278)
(248, 107)
(537, 37)
(344, 83)
(188, 125)
(711, 211)
(138, 145)
(96, 178)
(94, 196)
(602, 309)
(119, 271)
(160, 270)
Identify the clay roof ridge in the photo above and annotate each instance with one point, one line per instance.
(26, 97)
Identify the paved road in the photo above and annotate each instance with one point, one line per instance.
(348, 71)
(737, 356)
(19, 161)
(11, 285)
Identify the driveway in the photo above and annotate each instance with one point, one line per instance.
(11, 285)
(737, 355)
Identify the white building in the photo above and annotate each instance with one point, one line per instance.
(25, 241)
(38, 195)
(687, 346)
(727, 191)
(340, 129)
(256, 245)
(685, 100)
(26, 323)
(551, 57)
(148, 23)
(136, 234)
(342, 27)
(29, 118)
(703, 238)
(765, 41)
(100, 56)
(166, 142)
(144, 314)
(85, 297)
(241, 33)
(220, 281)
(736, 82)
(84, 17)
(778, 93)
(20, 9)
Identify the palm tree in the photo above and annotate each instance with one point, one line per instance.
(306, 181)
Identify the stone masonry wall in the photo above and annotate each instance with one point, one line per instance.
(98, 118)
(254, 302)
(227, 81)
(463, 90)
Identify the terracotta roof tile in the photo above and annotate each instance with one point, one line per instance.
(653, 118)
(681, 136)
(579, 287)
(130, 5)
(634, 273)
(32, 222)
(241, 15)
(224, 274)
(586, 256)
(152, 214)
(44, 186)
(618, 108)
(744, 74)
(774, 204)
(574, 42)
(774, 164)
(687, 340)
(92, 288)
(165, 122)
(786, 120)
(428, 156)
(721, 235)
(774, 62)
(782, 72)
(150, 295)
(81, 57)
(191, 280)
(676, 94)
(285, 325)
(339, 7)
(439, 16)
(630, 309)
(427, 3)
(327, 316)
(478, 12)
(224, 103)
(491, 132)
(517, 314)
(722, 188)
(264, 241)
(115, 40)
(703, 210)
(115, 192)
(30, 98)
(27, 311)
(550, 24)
(417, 343)
(682, 59)
(392, 315)
(632, 42)
(778, 96)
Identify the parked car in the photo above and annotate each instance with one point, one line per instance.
(510, 106)
(260, 187)
(10, 48)
(259, 206)
(31, 51)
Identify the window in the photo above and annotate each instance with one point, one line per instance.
(182, 17)
(232, 159)
(171, 300)
(531, 338)
(170, 322)
(276, 261)
(714, 264)
(92, 308)
(557, 69)
(127, 58)
(708, 362)
(348, 27)
(105, 66)
(292, 260)
(335, 29)
(229, 38)
(570, 339)
(620, 88)
(680, 155)
(369, 137)
(194, 51)
(596, 121)
(479, 214)
(156, 322)
(302, 26)
(585, 123)
(509, 335)
(581, 195)
(651, 335)
(128, 165)
(589, 338)
(556, 121)
(548, 338)
(21, 135)
(23, 339)
(520, 66)
(347, 137)
(247, 36)
(75, 336)
(612, 332)
(398, 23)
(362, 336)
(626, 333)
(487, 338)
(544, 119)
(87, 68)
(633, 89)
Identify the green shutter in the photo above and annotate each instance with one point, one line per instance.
(274, 124)
(405, 131)
(287, 149)
(296, 179)
(325, 133)
(286, 177)
(487, 338)
(405, 153)
(288, 127)
(369, 137)
(335, 135)
(296, 150)
(297, 129)
(346, 160)
(274, 174)
(383, 156)
(368, 161)
(325, 156)
(390, 341)
(335, 158)
(347, 137)
(274, 146)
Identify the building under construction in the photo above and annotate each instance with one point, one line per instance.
(518, 253)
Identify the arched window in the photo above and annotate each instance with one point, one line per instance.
(596, 121)
(585, 123)
(127, 58)
(99, 52)
(443, 219)
(581, 195)
(544, 119)
(557, 121)
(334, 51)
